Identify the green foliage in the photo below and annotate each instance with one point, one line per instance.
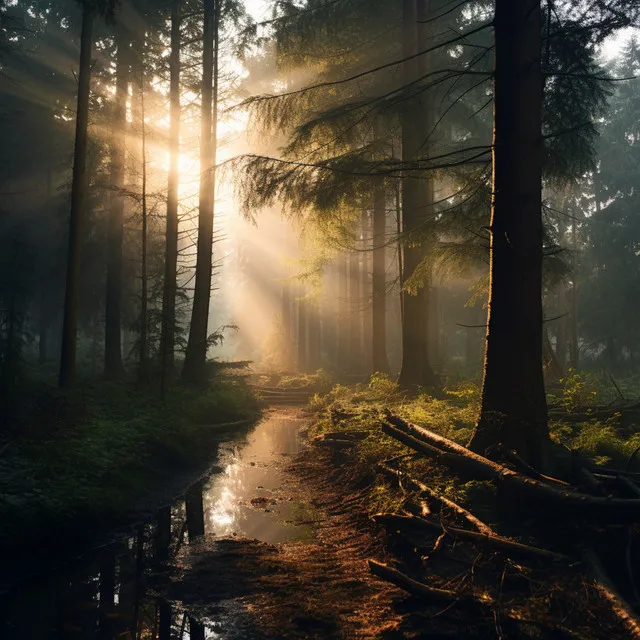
(578, 389)
(93, 452)
(360, 408)
(599, 440)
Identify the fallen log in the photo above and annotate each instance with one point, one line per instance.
(523, 467)
(629, 484)
(619, 605)
(424, 490)
(396, 522)
(462, 460)
(389, 574)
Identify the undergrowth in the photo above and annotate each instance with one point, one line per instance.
(359, 408)
(90, 453)
(321, 381)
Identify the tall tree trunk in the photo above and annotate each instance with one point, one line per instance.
(43, 330)
(303, 325)
(417, 203)
(355, 316)
(113, 311)
(380, 363)
(286, 327)
(78, 195)
(366, 288)
(143, 364)
(514, 408)
(167, 332)
(196, 355)
(315, 337)
(435, 342)
(574, 346)
(342, 330)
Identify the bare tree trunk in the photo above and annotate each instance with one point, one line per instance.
(286, 327)
(167, 337)
(514, 407)
(143, 372)
(355, 304)
(78, 195)
(343, 313)
(574, 354)
(315, 336)
(417, 203)
(113, 311)
(303, 321)
(43, 330)
(366, 289)
(196, 355)
(379, 283)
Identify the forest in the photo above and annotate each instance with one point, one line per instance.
(317, 319)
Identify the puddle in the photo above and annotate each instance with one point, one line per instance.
(248, 498)
(106, 594)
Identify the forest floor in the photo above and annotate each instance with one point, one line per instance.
(324, 588)
(318, 589)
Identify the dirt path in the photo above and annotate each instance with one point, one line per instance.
(319, 589)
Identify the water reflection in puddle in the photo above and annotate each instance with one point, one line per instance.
(105, 596)
(248, 498)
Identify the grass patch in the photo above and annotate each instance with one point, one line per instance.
(359, 408)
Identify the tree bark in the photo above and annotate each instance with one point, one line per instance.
(342, 338)
(417, 201)
(286, 327)
(355, 317)
(574, 353)
(196, 355)
(379, 282)
(113, 310)
(78, 195)
(514, 408)
(143, 372)
(315, 336)
(366, 288)
(303, 325)
(167, 336)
